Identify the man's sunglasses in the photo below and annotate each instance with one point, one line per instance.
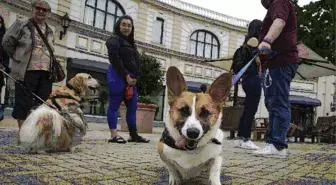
(41, 9)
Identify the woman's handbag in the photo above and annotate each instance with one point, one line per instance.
(57, 72)
(129, 92)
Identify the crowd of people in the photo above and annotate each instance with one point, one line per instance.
(30, 66)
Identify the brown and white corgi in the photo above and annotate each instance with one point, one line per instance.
(192, 139)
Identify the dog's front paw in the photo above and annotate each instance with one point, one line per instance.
(175, 183)
(173, 180)
(215, 182)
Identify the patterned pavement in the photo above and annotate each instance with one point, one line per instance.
(97, 162)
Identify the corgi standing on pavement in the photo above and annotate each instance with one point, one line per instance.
(192, 140)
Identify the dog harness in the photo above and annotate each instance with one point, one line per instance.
(72, 88)
(68, 97)
(168, 140)
(53, 98)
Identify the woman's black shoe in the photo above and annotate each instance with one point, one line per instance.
(138, 139)
(134, 137)
(117, 139)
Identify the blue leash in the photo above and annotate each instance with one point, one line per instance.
(243, 70)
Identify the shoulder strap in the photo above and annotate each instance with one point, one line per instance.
(249, 49)
(30, 26)
(44, 38)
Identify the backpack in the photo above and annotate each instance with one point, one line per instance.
(241, 57)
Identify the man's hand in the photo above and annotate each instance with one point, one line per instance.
(264, 45)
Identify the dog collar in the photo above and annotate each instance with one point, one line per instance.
(72, 88)
(168, 140)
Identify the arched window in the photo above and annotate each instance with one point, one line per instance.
(204, 44)
(102, 13)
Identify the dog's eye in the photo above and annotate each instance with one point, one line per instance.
(89, 77)
(185, 111)
(204, 113)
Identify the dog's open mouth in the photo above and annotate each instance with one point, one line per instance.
(186, 143)
(94, 89)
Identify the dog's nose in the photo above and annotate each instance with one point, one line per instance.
(193, 133)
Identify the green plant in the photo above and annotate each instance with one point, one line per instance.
(103, 94)
(103, 97)
(151, 78)
(145, 99)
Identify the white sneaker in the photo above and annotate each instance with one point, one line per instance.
(271, 151)
(249, 145)
(246, 145)
(238, 143)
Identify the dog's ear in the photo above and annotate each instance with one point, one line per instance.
(175, 83)
(220, 89)
(77, 82)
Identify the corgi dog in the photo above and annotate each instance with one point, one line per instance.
(192, 139)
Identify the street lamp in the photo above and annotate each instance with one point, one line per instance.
(65, 21)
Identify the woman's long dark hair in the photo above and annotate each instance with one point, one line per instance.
(4, 59)
(2, 28)
(116, 29)
(254, 29)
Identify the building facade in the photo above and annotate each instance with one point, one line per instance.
(174, 32)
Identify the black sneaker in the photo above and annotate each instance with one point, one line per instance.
(138, 139)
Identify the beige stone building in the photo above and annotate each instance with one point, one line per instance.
(175, 32)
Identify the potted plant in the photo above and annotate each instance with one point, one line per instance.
(150, 83)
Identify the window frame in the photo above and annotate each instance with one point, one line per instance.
(204, 42)
(154, 37)
(95, 8)
(162, 28)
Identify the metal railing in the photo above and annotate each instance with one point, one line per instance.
(207, 13)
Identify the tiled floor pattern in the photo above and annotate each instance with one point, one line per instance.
(97, 162)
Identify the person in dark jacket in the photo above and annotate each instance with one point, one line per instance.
(4, 61)
(251, 84)
(123, 73)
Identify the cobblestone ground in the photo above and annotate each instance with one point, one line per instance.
(98, 162)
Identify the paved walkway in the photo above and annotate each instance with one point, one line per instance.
(98, 162)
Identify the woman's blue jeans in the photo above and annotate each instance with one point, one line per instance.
(116, 96)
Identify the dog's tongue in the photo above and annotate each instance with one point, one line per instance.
(181, 142)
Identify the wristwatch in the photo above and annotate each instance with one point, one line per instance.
(267, 41)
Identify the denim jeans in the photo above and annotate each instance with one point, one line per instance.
(276, 85)
(252, 88)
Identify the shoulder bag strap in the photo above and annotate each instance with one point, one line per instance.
(44, 38)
